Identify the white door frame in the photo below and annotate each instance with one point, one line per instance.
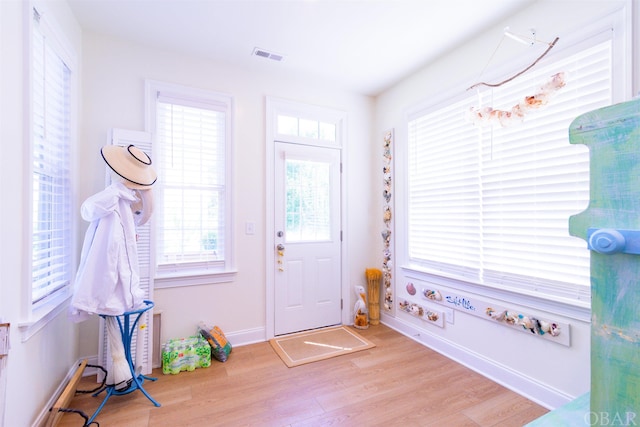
(273, 107)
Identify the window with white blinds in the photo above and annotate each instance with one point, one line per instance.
(51, 222)
(491, 205)
(192, 226)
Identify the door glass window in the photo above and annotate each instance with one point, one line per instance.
(307, 189)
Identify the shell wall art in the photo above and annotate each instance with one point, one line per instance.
(429, 315)
(533, 325)
(387, 219)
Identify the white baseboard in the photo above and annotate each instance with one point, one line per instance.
(524, 385)
(42, 416)
(247, 336)
(89, 370)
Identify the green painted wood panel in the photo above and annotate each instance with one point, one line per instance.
(574, 413)
(613, 137)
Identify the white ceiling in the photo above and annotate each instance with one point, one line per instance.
(364, 46)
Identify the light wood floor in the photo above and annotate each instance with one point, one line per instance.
(397, 383)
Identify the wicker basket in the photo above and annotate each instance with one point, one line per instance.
(374, 277)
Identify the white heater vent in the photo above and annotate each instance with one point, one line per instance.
(268, 55)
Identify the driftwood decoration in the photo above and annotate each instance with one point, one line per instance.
(551, 45)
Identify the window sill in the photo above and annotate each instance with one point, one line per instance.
(193, 278)
(574, 309)
(43, 315)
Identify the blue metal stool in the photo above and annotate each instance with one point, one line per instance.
(127, 328)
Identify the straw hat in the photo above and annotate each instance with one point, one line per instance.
(132, 164)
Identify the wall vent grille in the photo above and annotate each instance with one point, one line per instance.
(263, 53)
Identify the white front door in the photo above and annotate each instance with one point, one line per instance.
(307, 284)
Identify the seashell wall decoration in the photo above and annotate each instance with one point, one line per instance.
(552, 330)
(427, 314)
(432, 294)
(411, 289)
(387, 214)
(531, 324)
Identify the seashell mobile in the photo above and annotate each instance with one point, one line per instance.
(488, 115)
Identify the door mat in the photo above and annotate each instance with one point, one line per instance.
(312, 346)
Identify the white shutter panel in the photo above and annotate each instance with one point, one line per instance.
(142, 140)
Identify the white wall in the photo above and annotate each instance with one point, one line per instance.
(546, 372)
(114, 73)
(35, 367)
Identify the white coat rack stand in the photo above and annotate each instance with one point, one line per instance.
(128, 325)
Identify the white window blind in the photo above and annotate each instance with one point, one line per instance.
(191, 138)
(444, 192)
(51, 252)
(491, 205)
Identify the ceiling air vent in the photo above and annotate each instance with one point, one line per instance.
(266, 54)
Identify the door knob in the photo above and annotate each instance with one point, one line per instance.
(280, 247)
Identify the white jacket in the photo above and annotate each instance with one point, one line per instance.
(107, 281)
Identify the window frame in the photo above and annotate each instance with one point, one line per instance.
(38, 314)
(613, 23)
(176, 275)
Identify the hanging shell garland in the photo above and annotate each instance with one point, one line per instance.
(488, 116)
